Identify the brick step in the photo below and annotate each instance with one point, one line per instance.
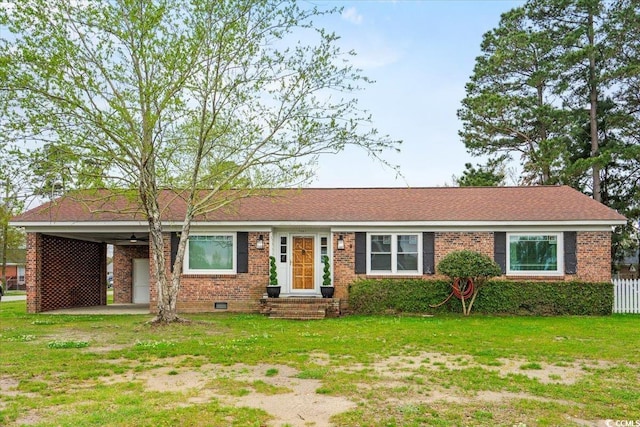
(298, 300)
(299, 308)
(297, 311)
(297, 314)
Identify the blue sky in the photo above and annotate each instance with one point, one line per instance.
(421, 54)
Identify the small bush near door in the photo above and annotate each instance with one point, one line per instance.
(509, 297)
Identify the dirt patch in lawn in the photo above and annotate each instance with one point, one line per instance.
(9, 386)
(546, 373)
(272, 388)
(9, 389)
(296, 402)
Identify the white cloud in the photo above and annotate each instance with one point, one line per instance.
(374, 50)
(352, 15)
(368, 59)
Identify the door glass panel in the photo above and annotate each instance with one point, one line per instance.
(283, 249)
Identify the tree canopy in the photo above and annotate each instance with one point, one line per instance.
(490, 175)
(13, 181)
(198, 94)
(556, 88)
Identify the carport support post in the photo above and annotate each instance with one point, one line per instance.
(33, 272)
(103, 274)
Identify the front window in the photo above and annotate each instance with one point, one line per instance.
(210, 254)
(394, 254)
(535, 254)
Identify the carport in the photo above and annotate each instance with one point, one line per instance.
(67, 266)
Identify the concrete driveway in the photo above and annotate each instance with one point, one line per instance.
(8, 298)
(104, 309)
(100, 309)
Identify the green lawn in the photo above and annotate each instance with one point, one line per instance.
(15, 293)
(387, 371)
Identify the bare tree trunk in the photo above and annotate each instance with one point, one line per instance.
(473, 299)
(4, 211)
(167, 290)
(464, 307)
(179, 261)
(545, 170)
(5, 247)
(593, 110)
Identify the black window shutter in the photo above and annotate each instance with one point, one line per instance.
(175, 240)
(570, 257)
(361, 253)
(242, 252)
(428, 253)
(500, 250)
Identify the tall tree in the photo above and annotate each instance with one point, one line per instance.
(13, 186)
(203, 94)
(491, 174)
(599, 44)
(510, 107)
(586, 53)
(623, 31)
(556, 51)
(576, 28)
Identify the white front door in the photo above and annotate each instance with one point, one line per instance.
(141, 281)
(299, 261)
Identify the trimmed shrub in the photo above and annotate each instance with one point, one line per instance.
(326, 271)
(370, 296)
(273, 272)
(465, 264)
(379, 296)
(546, 298)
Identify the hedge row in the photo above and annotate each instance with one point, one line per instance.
(496, 297)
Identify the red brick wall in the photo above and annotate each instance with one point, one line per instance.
(344, 264)
(11, 271)
(11, 274)
(594, 256)
(123, 270)
(64, 273)
(593, 252)
(450, 241)
(242, 292)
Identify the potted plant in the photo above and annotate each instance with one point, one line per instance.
(273, 290)
(326, 289)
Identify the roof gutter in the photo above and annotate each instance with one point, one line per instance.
(346, 226)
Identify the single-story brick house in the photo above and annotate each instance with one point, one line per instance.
(15, 268)
(543, 232)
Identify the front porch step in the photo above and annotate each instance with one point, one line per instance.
(297, 308)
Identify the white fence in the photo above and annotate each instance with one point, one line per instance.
(626, 295)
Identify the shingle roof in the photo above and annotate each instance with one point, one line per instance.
(539, 203)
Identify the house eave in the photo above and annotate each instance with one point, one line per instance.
(140, 226)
